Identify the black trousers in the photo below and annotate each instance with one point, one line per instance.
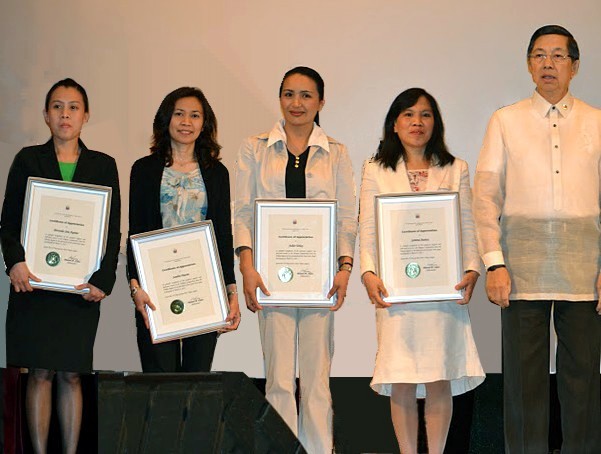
(192, 354)
(526, 335)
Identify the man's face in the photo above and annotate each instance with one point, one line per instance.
(552, 78)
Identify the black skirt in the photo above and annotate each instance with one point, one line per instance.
(51, 330)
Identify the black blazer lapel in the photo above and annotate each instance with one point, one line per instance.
(85, 169)
(48, 162)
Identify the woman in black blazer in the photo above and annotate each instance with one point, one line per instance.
(181, 181)
(53, 333)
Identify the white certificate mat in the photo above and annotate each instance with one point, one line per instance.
(295, 247)
(180, 270)
(419, 246)
(64, 232)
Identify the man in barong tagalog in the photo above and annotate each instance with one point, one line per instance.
(536, 208)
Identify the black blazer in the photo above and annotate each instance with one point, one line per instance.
(145, 208)
(93, 167)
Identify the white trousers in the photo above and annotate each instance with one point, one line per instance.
(286, 332)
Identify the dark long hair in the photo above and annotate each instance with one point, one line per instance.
(391, 148)
(68, 83)
(206, 148)
(311, 74)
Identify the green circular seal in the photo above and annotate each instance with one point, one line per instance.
(53, 258)
(285, 274)
(177, 306)
(412, 270)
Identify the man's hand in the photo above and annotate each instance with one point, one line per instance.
(498, 286)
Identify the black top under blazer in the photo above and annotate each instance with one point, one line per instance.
(145, 208)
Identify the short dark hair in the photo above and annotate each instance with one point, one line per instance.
(391, 148)
(69, 83)
(206, 147)
(573, 50)
(311, 74)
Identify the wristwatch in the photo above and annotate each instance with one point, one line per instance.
(346, 266)
(494, 267)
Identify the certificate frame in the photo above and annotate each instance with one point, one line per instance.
(419, 246)
(310, 271)
(64, 232)
(180, 270)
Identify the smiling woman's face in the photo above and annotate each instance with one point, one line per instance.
(186, 121)
(414, 125)
(299, 100)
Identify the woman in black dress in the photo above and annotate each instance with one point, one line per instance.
(52, 333)
(181, 181)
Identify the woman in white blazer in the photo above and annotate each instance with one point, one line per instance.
(296, 159)
(424, 349)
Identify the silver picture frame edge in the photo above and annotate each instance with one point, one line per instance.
(203, 227)
(332, 205)
(453, 196)
(26, 216)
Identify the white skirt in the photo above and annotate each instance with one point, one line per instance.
(423, 343)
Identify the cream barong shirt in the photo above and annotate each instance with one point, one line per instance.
(261, 173)
(537, 197)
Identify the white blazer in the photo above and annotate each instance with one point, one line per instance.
(379, 180)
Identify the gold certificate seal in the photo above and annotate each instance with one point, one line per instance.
(412, 270)
(285, 274)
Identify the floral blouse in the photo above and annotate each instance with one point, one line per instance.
(183, 197)
(418, 179)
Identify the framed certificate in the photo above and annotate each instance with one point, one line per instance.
(419, 246)
(295, 251)
(64, 232)
(179, 268)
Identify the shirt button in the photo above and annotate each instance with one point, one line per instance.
(557, 171)
(554, 125)
(556, 146)
(309, 175)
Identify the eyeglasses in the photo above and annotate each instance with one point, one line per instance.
(557, 58)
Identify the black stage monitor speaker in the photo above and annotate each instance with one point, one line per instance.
(188, 413)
